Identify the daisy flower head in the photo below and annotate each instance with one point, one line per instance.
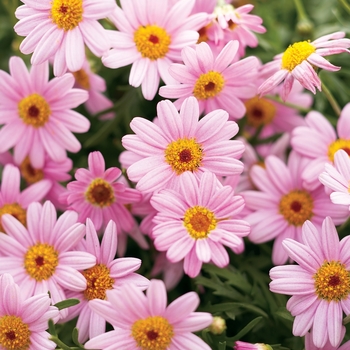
(195, 222)
(151, 37)
(298, 62)
(241, 345)
(145, 322)
(98, 194)
(58, 30)
(180, 142)
(309, 345)
(36, 113)
(318, 141)
(282, 204)
(107, 274)
(40, 257)
(23, 320)
(319, 284)
(215, 82)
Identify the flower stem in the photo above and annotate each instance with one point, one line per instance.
(345, 5)
(304, 24)
(331, 99)
(287, 104)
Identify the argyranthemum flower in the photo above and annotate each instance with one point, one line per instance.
(99, 195)
(241, 345)
(145, 322)
(107, 274)
(180, 142)
(23, 320)
(195, 222)
(59, 29)
(282, 204)
(214, 82)
(298, 62)
(40, 257)
(309, 345)
(319, 285)
(37, 115)
(151, 37)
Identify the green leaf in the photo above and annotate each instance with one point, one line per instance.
(231, 306)
(75, 334)
(67, 303)
(52, 328)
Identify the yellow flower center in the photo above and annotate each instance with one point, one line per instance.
(203, 34)
(259, 111)
(82, 79)
(34, 110)
(152, 41)
(67, 14)
(296, 207)
(100, 193)
(30, 174)
(14, 333)
(332, 281)
(296, 54)
(98, 281)
(184, 155)
(15, 210)
(199, 221)
(152, 333)
(208, 85)
(336, 146)
(41, 261)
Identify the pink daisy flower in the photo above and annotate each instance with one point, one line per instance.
(195, 222)
(59, 29)
(214, 82)
(319, 285)
(337, 178)
(298, 62)
(36, 113)
(319, 141)
(23, 320)
(145, 322)
(309, 345)
(282, 204)
(15, 202)
(40, 257)
(241, 345)
(151, 38)
(180, 142)
(99, 195)
(107, 274)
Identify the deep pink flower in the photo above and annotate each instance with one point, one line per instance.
(241, 345)
(146, 322)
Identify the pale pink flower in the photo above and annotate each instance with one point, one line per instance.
(298, 62)
(24, 320)
(151, 37)
(98, 194)
(337, 178)
(309, 345)
(107, 274)
(59, 29)
(146, 322)
(241, 345)
(215, 82)
(319, 141)
(195, 222)
(319, 285)
(37, 114)
(282, 204)
(180, 142)
(40, 257)
(15, 202)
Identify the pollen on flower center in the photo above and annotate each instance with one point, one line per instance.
(67, 14)
(199, 222)
(34, 110)
(100, 193)
(15, 210)
(41, 261)
(208, 85)
(296, 54)
(259, 111)
(98, 281)
(30, 174)
(184, 155)
(82, 79)
(152, 41)
(14, 333)
(336, 146)
(152, 333)
(296, 207)
(332, 281)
